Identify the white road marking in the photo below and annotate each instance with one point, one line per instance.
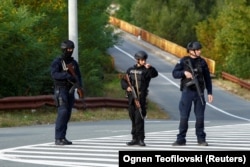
(104, 151)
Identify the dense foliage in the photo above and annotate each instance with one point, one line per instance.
(226, 39)
(31, 33)
(221, 26)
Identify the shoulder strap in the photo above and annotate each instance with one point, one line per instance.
(136, 84)
(64, 65)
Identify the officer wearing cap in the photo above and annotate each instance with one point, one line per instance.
(190, 94)
(63, 82)
(139, 75)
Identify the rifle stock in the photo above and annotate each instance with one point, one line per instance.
(195, 81)
(136, 100)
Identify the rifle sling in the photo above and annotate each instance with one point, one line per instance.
(136, 85)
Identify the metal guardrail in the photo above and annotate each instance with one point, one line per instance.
(34, 102)
(236, 80)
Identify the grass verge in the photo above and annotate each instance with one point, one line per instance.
(47, 115)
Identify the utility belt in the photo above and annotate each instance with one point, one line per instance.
(190, 85)
(192, 88)
(65, 84)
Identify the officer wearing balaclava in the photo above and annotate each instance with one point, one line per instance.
(63, 82)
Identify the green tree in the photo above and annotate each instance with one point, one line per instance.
(235, 37)
(54, 27)
(226, 39)
(177, 21)
(50, 31)
(94, 31)
(95, 36)
(124, 12)
(221, 26)
(174, 20)
(31, 35)
(19, 49)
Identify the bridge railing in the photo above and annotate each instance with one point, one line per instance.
(157, 41)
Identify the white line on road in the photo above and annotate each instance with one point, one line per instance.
(172, 82)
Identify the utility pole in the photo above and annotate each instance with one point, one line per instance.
(73, 29)
(73, 25)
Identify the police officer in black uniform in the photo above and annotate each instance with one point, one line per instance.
(139, 75)
(190, 94)
(63, 82)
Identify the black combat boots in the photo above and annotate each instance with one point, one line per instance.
(136, 142)
(62, 142)
(132, 142)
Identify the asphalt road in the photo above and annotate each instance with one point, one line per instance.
(164, 89)
(98, 143)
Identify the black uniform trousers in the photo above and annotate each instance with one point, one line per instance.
(64, 109)
(188, 98)
(138, 129)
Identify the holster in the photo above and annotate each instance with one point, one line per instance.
(57, 98)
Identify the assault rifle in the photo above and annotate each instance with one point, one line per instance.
(135, 97)
(194, 81)
(70, 68)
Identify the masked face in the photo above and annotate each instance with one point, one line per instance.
(67, 54)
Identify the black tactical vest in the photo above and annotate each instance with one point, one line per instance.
(136, 76)
(197, 69)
